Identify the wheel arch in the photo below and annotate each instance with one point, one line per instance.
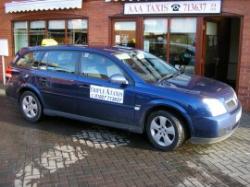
(31, 89)
(179, 112)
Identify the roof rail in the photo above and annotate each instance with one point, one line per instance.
(122, 47)
(79, 45)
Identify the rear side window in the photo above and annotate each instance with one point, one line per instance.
(61, 61)
(30, 60)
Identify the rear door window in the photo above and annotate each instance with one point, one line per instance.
(61, 61)
(30, 60)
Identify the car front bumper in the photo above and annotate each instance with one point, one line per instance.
(215, 129)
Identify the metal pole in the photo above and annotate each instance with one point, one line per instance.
(3, 66)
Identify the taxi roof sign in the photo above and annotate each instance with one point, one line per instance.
(49, 42)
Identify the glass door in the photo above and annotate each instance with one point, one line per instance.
(124, 33)
(212, 49)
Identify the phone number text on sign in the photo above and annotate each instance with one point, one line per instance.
(173, 7)
(106, 94)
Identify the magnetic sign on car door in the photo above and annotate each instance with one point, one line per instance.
(106, 94)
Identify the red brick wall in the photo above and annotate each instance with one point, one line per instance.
(241, 7)
(98, 13)
(5, 28)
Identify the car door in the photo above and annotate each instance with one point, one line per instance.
(61, 73)
(99, 97)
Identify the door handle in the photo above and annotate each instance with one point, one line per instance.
(44, 80)
(83, 86)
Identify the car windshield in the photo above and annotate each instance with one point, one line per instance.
(150, 68)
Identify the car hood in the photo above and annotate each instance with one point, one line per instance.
(199, 85)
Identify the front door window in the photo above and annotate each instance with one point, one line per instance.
(125, 33)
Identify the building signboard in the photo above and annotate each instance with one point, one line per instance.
(173, 7)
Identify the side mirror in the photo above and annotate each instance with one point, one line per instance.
(118, 79)
(180, 68)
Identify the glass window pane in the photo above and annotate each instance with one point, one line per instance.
(155, 32)
(21, 25)
(211, 28)
(37, 32)
(20, 35)
(61, 61)
(97, 66)
(183, 25)
(148, 67)
(212, 49)
(77, 31)
(77, 24)
(30, 60)
(56, 30)
(57, 24)
(182, 43)
(125, 33)
(125, 26)
(37, 24)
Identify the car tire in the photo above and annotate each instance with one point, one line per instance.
(165, 131)
(30, 107)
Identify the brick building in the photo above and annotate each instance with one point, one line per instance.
(210, 37)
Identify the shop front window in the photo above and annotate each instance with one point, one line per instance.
(32, 33)
(20, 35)
(155, 32)
(37, 32)
(77, 31)
(182, 43)
(125, 33)
(56, 30)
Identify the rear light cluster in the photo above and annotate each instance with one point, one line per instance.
(9, 72)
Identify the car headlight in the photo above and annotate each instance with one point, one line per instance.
(215, 107)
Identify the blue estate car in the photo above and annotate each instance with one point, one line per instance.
(123, 88)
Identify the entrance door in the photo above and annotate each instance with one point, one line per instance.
(124, 33)
(222, 38)
(212, 49)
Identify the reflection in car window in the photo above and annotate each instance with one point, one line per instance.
(30, 60)
(98, 66)
(61, 61)
(148, 67)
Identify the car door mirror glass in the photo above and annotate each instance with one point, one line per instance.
(119, 79)
(180, 68)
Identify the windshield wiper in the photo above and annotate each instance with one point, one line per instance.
(169, 76)
(166, 77)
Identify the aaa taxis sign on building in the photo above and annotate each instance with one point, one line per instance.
(174, 7)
